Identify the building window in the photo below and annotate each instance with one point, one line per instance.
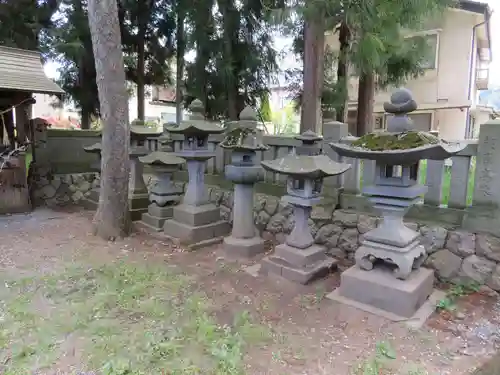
(429, 60)
(422, 121)
(379, 123)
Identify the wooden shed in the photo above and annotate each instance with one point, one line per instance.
(21, 76)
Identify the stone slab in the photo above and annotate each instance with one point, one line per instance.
(300, 257)
(416, 321)
(379, 289)
(136, 214)
(166, 212)
(140, 201)
(302, 275)
(196, 215)
(141, 225)
(189, 234)
(154, 222)
(243, 247)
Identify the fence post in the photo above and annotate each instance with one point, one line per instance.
(332, 132)
(484, 214)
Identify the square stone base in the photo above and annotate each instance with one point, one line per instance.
(379, 289)
(138, 205)
(243, 247)
(299, 265)
(196, 215)
(156, 216)
(196, 226)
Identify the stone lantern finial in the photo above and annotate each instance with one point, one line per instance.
(248, 114)
(401, 103)
(309, 145)
(197, 109)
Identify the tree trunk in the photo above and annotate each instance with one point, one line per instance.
(141, 55)
(342, 70)
(314, 51)
(112, 219)
(366, 93)
(179, 80)
(85, 122)
(230, 19)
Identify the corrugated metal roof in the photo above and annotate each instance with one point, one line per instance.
(22, 70)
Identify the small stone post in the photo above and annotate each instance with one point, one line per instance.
(244, 139)
(484, 214)
(92, 200)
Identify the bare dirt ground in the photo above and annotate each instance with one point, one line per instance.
(298, 330)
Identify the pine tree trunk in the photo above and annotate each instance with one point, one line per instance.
(230, 32)
(366, 93)
(141, 36)
(342, 70)
(179, 80)
(85, 121)
(314, 40)
(112, 219)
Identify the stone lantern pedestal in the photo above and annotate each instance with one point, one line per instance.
(91, 202)
(244, 139)
(299, 259)
(164, 195)
(138, 191)
(387, 278)
(196, 222)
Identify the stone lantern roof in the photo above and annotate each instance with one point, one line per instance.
(161, 159)
(196, 124)
(244, 135)
(402, 143)
(307, 166)
(143, 132)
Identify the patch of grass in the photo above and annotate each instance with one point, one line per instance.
(457, 290)
(125, 319)
(380, 363)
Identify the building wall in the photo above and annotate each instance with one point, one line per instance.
(446, 86)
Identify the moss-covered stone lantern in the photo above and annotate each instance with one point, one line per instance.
(387, 275)
(244, 140)
(299, 259)
(196, 222)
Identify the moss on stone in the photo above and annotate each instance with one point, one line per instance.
(399, 141)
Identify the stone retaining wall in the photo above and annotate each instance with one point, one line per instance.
(52, 190)
(456, 255)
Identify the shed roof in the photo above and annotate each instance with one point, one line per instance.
(22, 70)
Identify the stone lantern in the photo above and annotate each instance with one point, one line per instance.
(196, 222)
(164, 194)
(244, 140)
(138, 192)
(299, 259)
(92, 200)
(387, 275)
